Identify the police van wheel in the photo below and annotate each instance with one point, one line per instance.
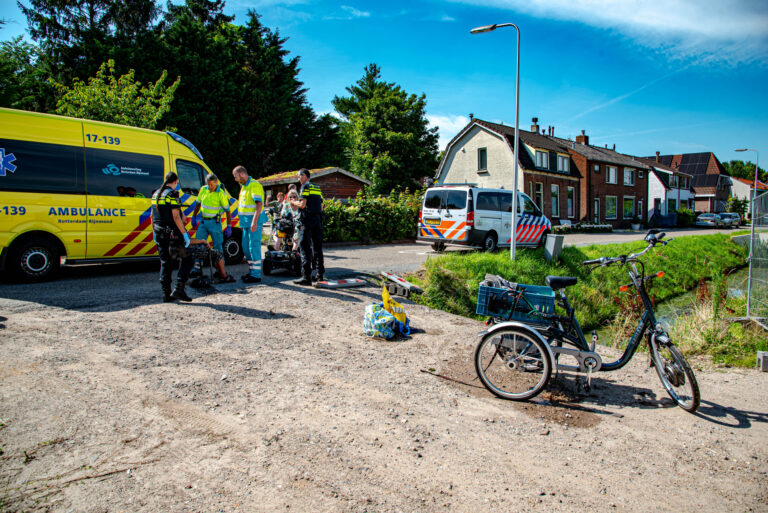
(233, 249)
(490, 243)
(438, 247)
(35, 260)
(543, 239)
(266, 268)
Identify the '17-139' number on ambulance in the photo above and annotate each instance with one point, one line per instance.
(106, 139)
(14, 211)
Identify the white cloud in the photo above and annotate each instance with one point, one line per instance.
(445, 17)
(733, 31)
(356, 13)
(350, 13)
(449, 126)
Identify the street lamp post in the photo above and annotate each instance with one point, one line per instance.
(490, 28)
(752, 229)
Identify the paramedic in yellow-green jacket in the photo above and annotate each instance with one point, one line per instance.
(252, 217)
(212, 200)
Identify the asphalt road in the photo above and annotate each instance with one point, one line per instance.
(342, 260)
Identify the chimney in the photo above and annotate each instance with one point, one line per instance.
(535, 125)
(657, 156)
(583, 138)
(471, 117)
(614, 146)
(552, 129)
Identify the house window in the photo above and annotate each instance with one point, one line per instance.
(610, 207)
(610, 174)
(673, 181)
(690, 204)
(571, 200)
(555, 200)
(629, 176)
(530, 189)
(657, 204)
(640, 209)
(482, 159)
(539, 195)
(639, 174)
(596, 168)
(672, 205)
(629, 207)
(542, 159)
(563, 164)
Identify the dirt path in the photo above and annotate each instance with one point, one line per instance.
(271, 399)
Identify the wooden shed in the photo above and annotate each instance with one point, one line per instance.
(336, 183)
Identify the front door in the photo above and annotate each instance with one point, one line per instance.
(596, 211)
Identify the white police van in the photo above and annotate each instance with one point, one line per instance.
(472, 216)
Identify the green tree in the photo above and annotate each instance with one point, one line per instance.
(120, 100)
(387, 134)
(736, 205)
(745, 170)
(77, 36)
(23, 77)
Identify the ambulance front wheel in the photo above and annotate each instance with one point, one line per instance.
(35, 259)
(233, 248)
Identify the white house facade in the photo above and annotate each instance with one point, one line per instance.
(668, 191)
(478, 155)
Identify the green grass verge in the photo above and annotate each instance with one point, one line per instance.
(451, 280)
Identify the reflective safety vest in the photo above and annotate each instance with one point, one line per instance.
(250, 193)
(212, 204)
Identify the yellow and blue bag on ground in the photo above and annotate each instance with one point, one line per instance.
(386, 319)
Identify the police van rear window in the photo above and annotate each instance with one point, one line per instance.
(434, 199)
(120, 173)
(41, 167)
(456, 200)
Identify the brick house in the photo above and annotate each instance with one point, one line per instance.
(336, 183)
(711, 182)
(614, 186)
(482, 153)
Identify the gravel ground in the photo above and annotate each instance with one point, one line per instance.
(270, 398)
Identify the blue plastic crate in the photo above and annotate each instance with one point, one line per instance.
(499, 302)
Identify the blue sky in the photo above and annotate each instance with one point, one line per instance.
(677, 76)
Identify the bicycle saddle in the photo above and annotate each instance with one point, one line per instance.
(560, 282)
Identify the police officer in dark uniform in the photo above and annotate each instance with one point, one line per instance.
(171, 237)
(310, 205)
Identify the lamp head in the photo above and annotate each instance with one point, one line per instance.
(486, 28)
(742, 149)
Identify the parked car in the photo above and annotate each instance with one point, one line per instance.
(712, 220)
(730, 219)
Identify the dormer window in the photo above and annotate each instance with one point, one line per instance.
(563, 164)
(542, 159)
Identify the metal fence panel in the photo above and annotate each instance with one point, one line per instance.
(758, 264)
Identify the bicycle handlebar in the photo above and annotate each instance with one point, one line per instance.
(653, 238)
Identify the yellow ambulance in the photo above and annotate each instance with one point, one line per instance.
(75, 191)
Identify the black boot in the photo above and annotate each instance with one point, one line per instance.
(167, 298)
(179, 292)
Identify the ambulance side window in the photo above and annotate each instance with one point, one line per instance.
(121, 173)
(191, 176)
(41, 167)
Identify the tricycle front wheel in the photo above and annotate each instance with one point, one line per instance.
(676, 375)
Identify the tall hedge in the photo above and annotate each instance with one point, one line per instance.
(368, 218)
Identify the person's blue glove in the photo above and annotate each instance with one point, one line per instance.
(187, 240)
(228, 232)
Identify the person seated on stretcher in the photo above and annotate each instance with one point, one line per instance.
(200, 249)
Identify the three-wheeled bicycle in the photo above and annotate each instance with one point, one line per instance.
(515, 356)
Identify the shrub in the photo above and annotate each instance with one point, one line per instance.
(368, 218)
(685, 217)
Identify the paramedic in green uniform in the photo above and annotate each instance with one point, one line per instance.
(252, 217)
